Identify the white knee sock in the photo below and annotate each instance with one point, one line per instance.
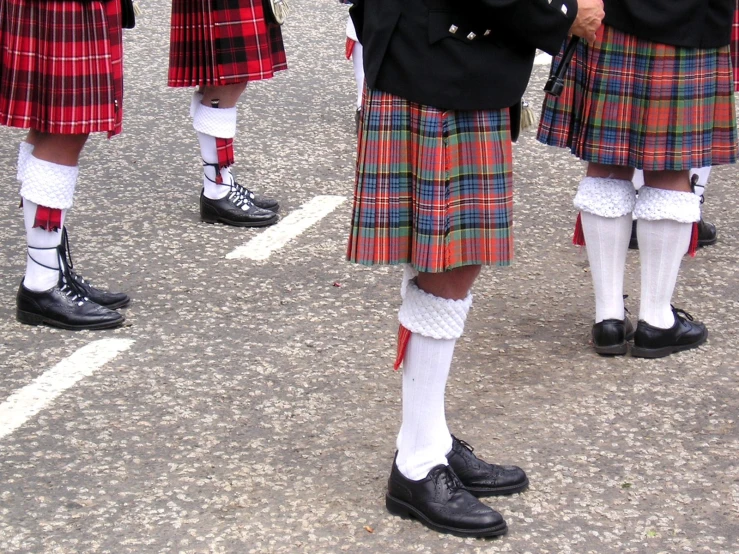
(424, 439)
(210, 124)
(24, 150)
(435, 323)
(42, 262)
(664, 231)
(605, 208)
(607, 243)
(209, 153)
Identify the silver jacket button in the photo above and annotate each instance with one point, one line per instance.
(453, 29)
(471, 36)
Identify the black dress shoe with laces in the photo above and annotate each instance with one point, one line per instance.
(611, 336)
(441, 502)
(653, 342)
(482, 478)
(235, 209)
(63, 307)
(707, 234)
(258, 200)
(111, 300)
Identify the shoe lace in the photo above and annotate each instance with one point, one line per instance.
(244, 191)
(238, 197)
(625, 308)
(465, 444)
(76, 277)
(450, 479)
(69, 286)
(681, 313)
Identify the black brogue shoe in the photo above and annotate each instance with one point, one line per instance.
(111, 300)
(707, 234)
(482, 478)
(258, 200)
(441, 502)
(63, 307)
(611, 336)
(653, 342)
(234, 209)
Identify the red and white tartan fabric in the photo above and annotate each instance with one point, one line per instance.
(222, 42)
(735, 47)
(61, 66)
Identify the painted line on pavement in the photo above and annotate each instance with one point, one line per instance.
(543, 59)
(277, 236)
(26, 402)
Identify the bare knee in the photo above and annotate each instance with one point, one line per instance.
(454, 284)
(668, 180)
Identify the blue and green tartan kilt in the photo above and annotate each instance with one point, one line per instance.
(433, 187)
(636, 103)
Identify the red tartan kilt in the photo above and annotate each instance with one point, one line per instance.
(222, 42)
(61, 66)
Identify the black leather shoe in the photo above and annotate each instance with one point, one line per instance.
(259, 201)
(611, 336)
(62, 306)
(441, 502)
(234, 209)
(653, 342)
(482, 478)
(111, 300)
(707, 234)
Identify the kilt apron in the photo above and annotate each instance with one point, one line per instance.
(222, 42)
(61, 66)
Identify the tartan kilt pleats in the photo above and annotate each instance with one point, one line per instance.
(61, 66)
(222, 42)
(433, 187)
(636, 103)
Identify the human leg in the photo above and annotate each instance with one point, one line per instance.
(432, 316)
(666, 211)
(605, 200)
(223, 200)
(50, 292)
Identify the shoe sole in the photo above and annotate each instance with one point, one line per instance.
(613, 350)
(480, 492)
(225, 221)
(639, 352)
(702, 243)
(404, 510)
(117, 305)
(29, 318)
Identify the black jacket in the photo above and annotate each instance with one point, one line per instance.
(458, 54)
(689, 23)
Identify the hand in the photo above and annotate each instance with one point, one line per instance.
(590, 14)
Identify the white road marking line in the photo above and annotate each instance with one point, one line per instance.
(277, 236)
(543, 59)
(25, 403)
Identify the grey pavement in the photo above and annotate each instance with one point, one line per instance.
(256, 410)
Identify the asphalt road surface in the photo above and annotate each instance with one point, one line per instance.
(249, 405)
